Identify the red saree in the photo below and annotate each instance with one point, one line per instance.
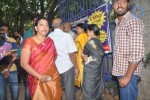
(42, 60)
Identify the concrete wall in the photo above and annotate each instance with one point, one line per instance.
(146, 19)
(144, 85)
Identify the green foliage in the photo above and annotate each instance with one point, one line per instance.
(112, 16)
(147, 60)
(17, 13)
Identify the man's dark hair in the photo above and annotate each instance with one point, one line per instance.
(7, 25)
(18, 31)
(117, 0)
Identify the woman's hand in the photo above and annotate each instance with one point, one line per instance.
(85, 57)
(44, 78)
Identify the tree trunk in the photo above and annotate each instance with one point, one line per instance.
(53, 11)
(42, 7)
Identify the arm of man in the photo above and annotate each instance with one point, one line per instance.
(13, 45)
(126, 78)
(74, 62)
(13, 58)
(71, 48)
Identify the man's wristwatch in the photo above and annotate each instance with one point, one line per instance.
(6, 70)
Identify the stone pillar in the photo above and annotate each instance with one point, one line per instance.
(146, 19)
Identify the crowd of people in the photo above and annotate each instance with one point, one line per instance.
(48, 61)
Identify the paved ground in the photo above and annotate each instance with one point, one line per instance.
(78, 95)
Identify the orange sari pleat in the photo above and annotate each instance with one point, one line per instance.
(49, 90)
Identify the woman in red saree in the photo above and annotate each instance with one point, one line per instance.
(38, 59)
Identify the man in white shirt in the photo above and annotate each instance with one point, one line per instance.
(66, 58)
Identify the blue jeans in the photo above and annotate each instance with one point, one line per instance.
(130, 92)
(12, 81)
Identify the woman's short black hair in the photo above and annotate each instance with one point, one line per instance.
(94, 28)
(37, 21)
(82, 26)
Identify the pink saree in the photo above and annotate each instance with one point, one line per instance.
(42, 60)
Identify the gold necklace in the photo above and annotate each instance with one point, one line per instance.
(40, 39)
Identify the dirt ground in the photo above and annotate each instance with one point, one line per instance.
(78, 95)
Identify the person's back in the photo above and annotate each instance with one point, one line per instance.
(66, 59)
(62, 43)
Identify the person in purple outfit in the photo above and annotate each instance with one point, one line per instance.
(8, 72)
(4, 49)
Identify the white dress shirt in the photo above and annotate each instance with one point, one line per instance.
(72, 34)
(64, 45)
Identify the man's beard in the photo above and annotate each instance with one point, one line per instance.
(121, 13)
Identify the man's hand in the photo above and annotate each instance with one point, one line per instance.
(14, 57)
(6, 53)
(74, 62)
(123, 82)
(6, 74)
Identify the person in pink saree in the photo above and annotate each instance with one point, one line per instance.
(38, 59)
